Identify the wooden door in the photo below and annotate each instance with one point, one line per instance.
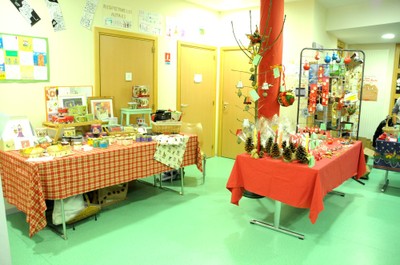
(196, 93)
(119, 54)
(234, 67)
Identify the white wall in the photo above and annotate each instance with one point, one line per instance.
(72, 54)
(378, 63)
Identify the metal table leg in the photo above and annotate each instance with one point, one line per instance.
(64, 225)
(276, 225)
(386, 182)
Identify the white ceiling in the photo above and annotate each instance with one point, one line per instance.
(354, 34)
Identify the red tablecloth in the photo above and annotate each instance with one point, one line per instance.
(28, 184)
(293, 183)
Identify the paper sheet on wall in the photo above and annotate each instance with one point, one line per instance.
(26, 11)
(57, 19)
(88, 13)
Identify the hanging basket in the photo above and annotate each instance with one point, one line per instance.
(390, 130)
(286, 98)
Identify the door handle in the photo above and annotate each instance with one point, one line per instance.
(226, 105)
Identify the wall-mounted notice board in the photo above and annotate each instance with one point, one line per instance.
(23, 58)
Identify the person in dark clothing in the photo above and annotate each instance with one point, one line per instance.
(379, 129)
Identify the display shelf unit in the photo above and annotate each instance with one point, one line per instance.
(333, 89)
(59, 127)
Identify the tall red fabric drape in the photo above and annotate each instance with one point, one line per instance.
(269, 106)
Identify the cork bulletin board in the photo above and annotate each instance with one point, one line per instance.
(23, 58)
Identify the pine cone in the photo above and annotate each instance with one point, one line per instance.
(249, 146)
(275, 151)
(287, 154)
(269, 145)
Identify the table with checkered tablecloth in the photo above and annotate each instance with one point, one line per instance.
(28, 185)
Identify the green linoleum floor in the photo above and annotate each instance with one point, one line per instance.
(155, 226)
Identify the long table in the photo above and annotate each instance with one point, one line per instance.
(28, 185)
(293, 183)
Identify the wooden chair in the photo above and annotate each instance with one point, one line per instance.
(196, 128)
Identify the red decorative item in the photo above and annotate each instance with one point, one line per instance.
(306, 66)
(317, 56)
(347, 60)
(325, 91)
(286, 98)
(312, 99)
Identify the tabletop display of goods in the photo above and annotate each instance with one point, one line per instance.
(166, 122)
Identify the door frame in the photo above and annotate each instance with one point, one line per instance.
(215, 49)
(221, 93)
(98, 32)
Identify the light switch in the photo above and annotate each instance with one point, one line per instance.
(128, 76)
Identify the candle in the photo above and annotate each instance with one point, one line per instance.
(307, 140)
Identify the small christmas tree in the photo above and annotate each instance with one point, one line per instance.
(301, 154)
(249, 146)
(269, 145)
(287, 154)
(275, 151)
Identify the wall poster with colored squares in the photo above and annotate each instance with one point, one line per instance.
(23, 58)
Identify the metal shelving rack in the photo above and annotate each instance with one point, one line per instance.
(345, 78)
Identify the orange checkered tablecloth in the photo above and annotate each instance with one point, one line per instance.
(27, 185)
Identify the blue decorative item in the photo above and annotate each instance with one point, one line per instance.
(334, 56)
(327, 58)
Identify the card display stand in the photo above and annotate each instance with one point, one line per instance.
(332, 80)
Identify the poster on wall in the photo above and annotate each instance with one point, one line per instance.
(23, 58)
(150, 23)
(370, 88)
(117, 16)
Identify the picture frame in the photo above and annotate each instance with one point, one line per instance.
(102, 108)
(52, 94)
(68, 101)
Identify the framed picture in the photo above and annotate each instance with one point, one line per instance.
(53, 93)
(102, 108)
(69, 101)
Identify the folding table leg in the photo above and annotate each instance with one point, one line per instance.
(276, 226)
(386, 182)
(64, 225)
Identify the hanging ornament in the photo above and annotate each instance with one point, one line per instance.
(327, 58)
(247, 101)
(334, 56)
(317, 56)
(338, 60)
(306, 66)
(286, 98)
(239, 84)
(347, 60)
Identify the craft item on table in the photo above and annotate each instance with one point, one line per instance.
(301, 154)
(307, 140)
(268, 145)
(314, 142)
(171, 149)
(275, 150)
(249, 145)
(287, 154)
